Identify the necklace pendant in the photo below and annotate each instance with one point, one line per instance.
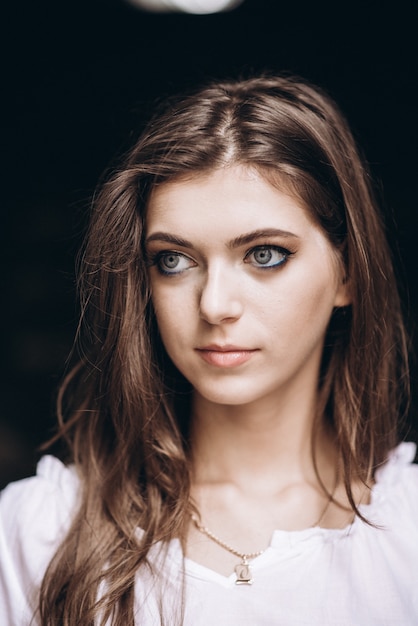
(243, 573)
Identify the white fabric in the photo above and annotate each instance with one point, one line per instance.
(358, 576)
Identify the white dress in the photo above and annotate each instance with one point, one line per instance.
(357, 576)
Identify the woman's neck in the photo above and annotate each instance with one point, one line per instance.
(253, 473)
(266, 445)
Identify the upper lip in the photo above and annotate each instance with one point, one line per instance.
(224, 348)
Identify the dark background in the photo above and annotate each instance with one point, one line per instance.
(77, 78)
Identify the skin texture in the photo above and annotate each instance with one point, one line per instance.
(244, 283)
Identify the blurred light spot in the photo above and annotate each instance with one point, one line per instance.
(199, 7)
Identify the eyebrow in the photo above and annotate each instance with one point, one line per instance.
(241, 240)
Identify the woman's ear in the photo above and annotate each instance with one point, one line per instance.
(343, 294)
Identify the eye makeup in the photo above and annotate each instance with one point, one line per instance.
(267, 256)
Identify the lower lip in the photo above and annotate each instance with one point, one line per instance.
(231, 358)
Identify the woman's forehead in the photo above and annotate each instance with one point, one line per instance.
(225, 202)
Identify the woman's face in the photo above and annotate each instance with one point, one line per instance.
(243, 285)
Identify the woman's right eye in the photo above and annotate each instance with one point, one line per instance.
(170, 263)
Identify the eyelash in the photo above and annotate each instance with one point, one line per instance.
(156, 259)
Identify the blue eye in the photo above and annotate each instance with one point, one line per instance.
(267, 256)
(171, 263)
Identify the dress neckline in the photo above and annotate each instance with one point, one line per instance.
(286, 543)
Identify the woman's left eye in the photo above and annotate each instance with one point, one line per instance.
(267, 256)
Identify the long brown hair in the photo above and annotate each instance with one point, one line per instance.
(124, 407)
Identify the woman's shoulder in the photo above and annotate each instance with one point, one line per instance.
(45, 500)
(399, 469)
(35, 515)
(395, 493)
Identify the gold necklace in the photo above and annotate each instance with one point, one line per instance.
(243, 569)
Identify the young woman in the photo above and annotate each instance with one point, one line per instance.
(232, 420)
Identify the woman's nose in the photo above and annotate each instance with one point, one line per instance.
(221, 296)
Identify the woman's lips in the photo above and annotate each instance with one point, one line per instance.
(225, 357)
